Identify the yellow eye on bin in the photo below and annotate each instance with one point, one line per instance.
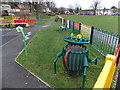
(79, 36)
(71, 34)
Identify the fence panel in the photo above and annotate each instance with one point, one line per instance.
(68, 26)
(62, 20)
(77, 26)
(65, 22)
(104, 41)
(71, 25)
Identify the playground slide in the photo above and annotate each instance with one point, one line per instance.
(24, 21)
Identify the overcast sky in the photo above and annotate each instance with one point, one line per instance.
(85, 4)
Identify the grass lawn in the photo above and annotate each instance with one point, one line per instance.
(109, 23)
(42, 51)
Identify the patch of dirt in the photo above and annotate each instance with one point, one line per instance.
(59, 31)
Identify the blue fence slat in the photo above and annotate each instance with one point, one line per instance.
(71, 25)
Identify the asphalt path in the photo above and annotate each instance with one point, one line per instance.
(13, 75)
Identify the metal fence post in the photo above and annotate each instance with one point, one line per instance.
(119, 40)
(69, 24)
(80, 27)
(60, 20)
(91, 37)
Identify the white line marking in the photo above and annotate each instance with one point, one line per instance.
(9, 41)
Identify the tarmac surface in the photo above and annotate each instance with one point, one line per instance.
(13, 75)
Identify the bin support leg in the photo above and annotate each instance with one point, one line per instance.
(54, 67)
(58, 56)
(84, 77)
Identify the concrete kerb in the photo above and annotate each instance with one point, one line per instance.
(29, 70)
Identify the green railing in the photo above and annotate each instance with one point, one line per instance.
(104, 41)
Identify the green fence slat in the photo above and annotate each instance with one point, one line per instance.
(104, 41)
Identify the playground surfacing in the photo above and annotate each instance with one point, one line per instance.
(6, 39)
(39, 23)
(4, 32)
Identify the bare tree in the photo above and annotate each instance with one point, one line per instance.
(13, 4)
(95, 5)
(71, 8)
(104, 9)
(51, 5)
(77, 7)
(35, 6)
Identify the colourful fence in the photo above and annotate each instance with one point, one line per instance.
(104, 41)
(69, 24)
(106, 76)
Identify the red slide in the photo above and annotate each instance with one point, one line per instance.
(25, 21)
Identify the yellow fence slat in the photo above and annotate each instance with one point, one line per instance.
(106, 76)
(68, 24)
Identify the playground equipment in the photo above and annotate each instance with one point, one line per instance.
(12, 22)
(25, 38)
(24, 19)
(1, 18)
(75, 56)
(63, 27)
(18, 22)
